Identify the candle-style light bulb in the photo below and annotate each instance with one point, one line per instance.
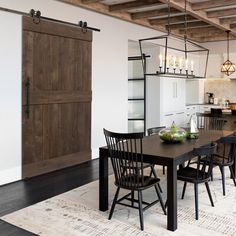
(167, 61)
(192, 64)
(161, 59)
(174, 62)
(186, 64)
(180, 63)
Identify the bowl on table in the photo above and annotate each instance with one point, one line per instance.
(172, 134)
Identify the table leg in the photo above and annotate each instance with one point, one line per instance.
(234, 167)
(172, 197)
(103, 180)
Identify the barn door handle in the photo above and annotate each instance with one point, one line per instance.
(27, 109)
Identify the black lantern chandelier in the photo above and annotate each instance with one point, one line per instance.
(228, 67)
(173, 55)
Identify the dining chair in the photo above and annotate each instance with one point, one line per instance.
(225, 156)
(126, 153)
(198, 172)
(156, 130)
(209, 122)
(216, 112)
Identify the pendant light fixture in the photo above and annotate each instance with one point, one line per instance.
(228, 67)
(174, 56)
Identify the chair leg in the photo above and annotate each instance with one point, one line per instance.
(160, 199)
(114, 203)
(184, 188)
(166, 203)
(159, 186)
(212, 175)
(140, 200)
(196, 200)
(209, 193)
(155, 175)
(132, 198)
(153, 171)
(222, 170)
(163, 170)
(232, 174)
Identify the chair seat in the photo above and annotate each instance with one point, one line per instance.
(189, 174)
(128, 181)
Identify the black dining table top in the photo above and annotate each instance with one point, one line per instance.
(153, 145)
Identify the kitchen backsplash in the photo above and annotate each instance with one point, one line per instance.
(221, 88)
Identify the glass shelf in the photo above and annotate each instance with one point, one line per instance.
(136, 89)
(135, 126)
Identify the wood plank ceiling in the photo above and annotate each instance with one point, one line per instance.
(207, 20)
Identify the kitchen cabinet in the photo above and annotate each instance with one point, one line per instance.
(165, 101)
(190, 110)
(194, 91)
(173, 94)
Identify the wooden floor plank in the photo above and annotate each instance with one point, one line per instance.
(21, 194)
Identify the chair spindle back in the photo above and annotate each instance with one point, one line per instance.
(125, 151)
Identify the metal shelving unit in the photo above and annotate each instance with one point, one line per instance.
(136, 95)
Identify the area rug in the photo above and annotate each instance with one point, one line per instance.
(75, 213)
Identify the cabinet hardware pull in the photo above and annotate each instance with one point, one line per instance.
(180, 113)
(169, 115)
(27, 109)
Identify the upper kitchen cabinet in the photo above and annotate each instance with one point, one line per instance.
(194, 91)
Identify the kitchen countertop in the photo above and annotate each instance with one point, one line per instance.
(206, 104)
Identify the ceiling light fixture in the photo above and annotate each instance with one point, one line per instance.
(228, 67)
(173, 55)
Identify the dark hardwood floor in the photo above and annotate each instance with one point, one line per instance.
(24, 193)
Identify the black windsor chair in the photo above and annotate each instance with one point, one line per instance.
(198, 172)
(226, 156)
(125, 151)
(209, 122)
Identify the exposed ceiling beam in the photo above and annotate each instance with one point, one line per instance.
(201, 15)
(90, 1)
(221, 37)
(233, 26)
(104, 9)
(212, 4)
(173, 19)
(134, 5)
(220, 13)
(228, 20)
(197, 24)
(205, 30)
(208, 34)
(153, 13)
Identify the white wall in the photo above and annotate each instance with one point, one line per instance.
(10, 98)
(110, 65)
(217, 56)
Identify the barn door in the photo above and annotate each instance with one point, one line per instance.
(56, 90)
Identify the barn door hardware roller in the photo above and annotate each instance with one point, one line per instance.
(35, 15)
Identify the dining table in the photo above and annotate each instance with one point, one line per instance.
(172, 155)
